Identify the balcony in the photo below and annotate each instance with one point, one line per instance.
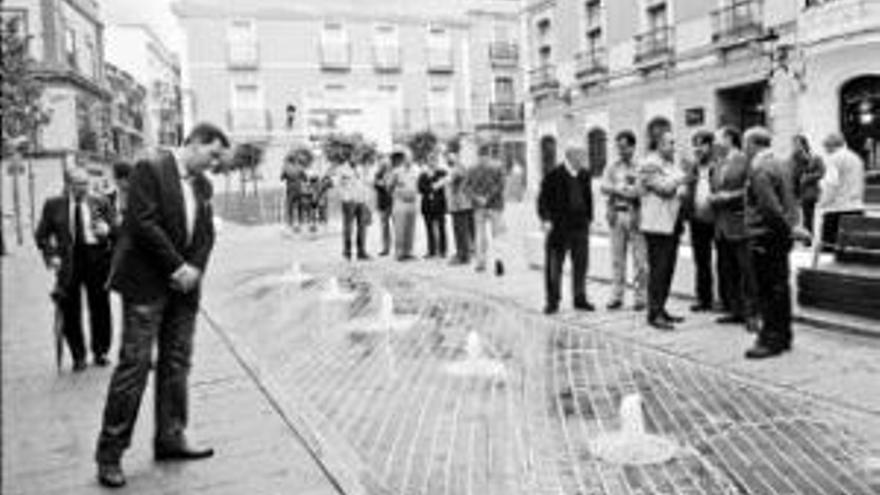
(386, 58)
(504, 54)
(655, 47)
(739, 22)
(504, 115)
(335, 57)
(823, 20)
(591, 64)
(543, 79)
(440, 61)
(243, 55)
(251, 123)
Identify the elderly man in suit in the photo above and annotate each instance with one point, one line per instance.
(74, 235)
(167, 238)
(771, 217)
(735, 272)
(663, 185)
(565, 206)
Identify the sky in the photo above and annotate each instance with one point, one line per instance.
(156, 13)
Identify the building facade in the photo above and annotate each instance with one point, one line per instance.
(127, 114)
(66, 40)
(138, 50)
(600, 66)
(272, 71)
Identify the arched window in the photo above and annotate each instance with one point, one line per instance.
(548, 154)
(597, 151)
(656, 128)
(860, 118)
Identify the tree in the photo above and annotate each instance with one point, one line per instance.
(20, 98)
(422, 144)
(245, 159)
(339, 148)
(299, 155)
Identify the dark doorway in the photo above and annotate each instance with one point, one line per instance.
(597, 151)
(744, 106)
(860, 120)
(656, 129)
(548, 154)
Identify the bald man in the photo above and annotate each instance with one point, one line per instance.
(74, 235)
(565, 206)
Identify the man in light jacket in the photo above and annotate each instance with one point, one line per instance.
(663, 184)
(842, 187)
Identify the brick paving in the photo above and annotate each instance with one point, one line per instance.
(383, 411)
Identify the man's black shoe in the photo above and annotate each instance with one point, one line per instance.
(101, 360)
(584, 306)
(499, 268)
(551, 309)
(79, 365)
(763, 352)
(614, 305)
(640, 306)
(111, 475)
(661, 323)
(672, 318)
(730, 320)
(364, 257)
(384, 252)
(701, 308)
(183, 453)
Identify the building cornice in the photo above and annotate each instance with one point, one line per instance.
(73, 78)
(190, 10)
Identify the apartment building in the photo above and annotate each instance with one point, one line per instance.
(599, 66)
(139, 51)
(281, 72)
(66, 39)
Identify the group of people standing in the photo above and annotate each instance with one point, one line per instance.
(462, 180)
(743, 205)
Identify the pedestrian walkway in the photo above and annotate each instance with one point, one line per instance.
(51, 419)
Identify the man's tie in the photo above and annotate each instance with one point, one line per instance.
(79, 236)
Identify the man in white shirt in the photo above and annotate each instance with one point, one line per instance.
(842, 187)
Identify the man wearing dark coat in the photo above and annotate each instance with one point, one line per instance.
(74, 235)
(163, 251)
(565, 206)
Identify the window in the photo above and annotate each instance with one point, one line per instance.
(504, 90)
(441, 109)
(657, 16)
(89, 61)
(394, 98)
(242, 39)
(544, 54)
(247, 106)
(335, 50)
(501, 33)
(70, 47)
(246, 95)
(334, 87)
(439, 49)
(386, 47)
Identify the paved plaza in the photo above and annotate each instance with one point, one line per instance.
(472, 391)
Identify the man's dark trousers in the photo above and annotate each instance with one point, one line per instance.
(737, 277)
(662, 257)
(90, 270)
(462, 228)
(770, 257)
(435, 230)
(354, 214)
(559, 242)
(170, 320)
(702, 238)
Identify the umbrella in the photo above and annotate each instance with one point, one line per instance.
(58, 331)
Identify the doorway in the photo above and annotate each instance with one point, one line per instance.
(743, 106)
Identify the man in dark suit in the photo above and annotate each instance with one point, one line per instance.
(771, 216)
(701, 217)
(735, 271)
(74, 235)
(565, 206)
(167, 237)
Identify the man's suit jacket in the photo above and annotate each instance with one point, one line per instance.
(54, 236)
(730, 179)
(662, 185)
(553, 200)
(154, 244)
